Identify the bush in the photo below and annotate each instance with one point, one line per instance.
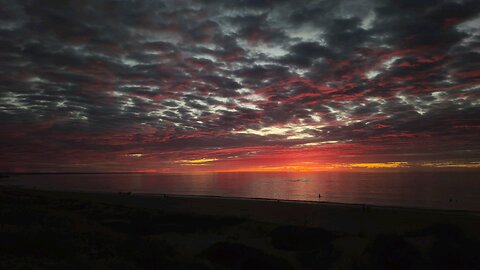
(392, 252)
(225, 255)
(294, 238)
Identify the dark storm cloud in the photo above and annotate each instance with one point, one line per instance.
(303, 54)
(83, 80)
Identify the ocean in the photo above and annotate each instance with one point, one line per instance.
(439, 190)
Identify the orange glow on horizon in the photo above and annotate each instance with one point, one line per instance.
(313, 167)
(212, 165)
(134, 155)
(382, 165)
(368, 166)
(469, 165)
(201, 161)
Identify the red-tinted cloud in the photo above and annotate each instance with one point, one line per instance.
(258, 85)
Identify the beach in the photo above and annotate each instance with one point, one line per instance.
(80, 230)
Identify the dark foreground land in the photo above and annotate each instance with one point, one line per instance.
(67, 230)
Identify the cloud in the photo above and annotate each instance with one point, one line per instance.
(83, 85)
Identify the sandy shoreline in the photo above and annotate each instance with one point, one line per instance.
(352, 218)
(319, 202)
(255, 199)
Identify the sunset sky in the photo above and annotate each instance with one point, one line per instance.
(186, 86)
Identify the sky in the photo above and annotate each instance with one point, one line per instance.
(194, 86)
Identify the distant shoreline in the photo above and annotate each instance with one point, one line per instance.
(65, 173)
(474, 170)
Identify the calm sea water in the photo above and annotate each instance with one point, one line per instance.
(445, 190)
